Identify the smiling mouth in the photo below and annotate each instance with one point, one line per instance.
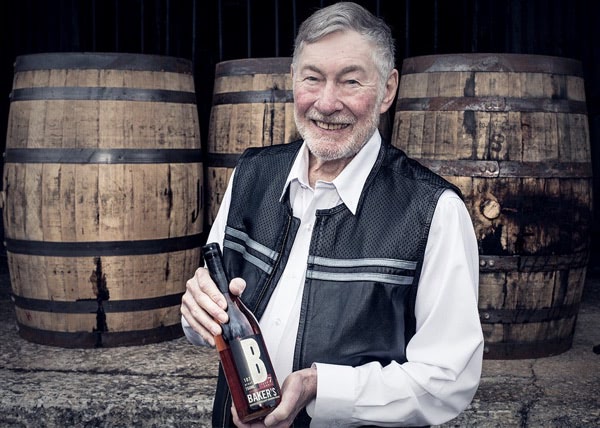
(330, 126)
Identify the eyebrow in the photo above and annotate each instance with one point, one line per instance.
(345, 70)
(351, 68)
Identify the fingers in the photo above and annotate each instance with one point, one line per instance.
(282, 416)
(297, 390)
(203, 305)
(206, 335)
(207, 294)
(239, 424)
(237, 286)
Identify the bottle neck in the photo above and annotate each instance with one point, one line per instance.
(217, 273)
(218, 276)
(214, 263)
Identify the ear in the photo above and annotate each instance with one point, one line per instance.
(391, 87)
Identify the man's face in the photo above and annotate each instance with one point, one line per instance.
(336, 103)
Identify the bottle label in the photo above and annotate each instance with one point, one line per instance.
(254, 369)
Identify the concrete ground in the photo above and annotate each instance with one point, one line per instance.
(170, 384)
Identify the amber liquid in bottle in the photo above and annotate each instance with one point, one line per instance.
(242, 351)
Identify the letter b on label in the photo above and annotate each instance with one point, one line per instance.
(257, 368)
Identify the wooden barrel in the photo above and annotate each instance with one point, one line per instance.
(102, 197)
(252, 106)
(511, 131)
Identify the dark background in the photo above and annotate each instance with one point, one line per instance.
(209, 31)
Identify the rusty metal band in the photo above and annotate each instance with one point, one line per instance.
(520, 316)
(88, 339)
(492, 104)
(498, 169)
(253, 97)
(103, 248)
(102, 156)
(251, 66)
(514, 63)
(520, 350)
(93, 93)
(537, 263)
(90, 306)
(102, 61)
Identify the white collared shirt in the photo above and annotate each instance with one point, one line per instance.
(282, 315)
(445, 354)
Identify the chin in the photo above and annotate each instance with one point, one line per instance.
(328, 152)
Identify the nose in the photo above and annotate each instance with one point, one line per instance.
(329, 99)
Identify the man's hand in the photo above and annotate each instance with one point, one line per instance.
(203, 305)
(296, 392)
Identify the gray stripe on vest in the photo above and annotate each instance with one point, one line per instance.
(400, 264)
(365, 276)
(248, 257)
(266, 251)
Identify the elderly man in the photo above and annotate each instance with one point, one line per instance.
(361, 265)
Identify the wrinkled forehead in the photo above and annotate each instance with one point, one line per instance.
(341, 47)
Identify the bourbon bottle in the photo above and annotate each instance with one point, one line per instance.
(242, 351)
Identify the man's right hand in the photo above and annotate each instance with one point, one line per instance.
(203, 305)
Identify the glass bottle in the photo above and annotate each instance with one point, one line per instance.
(242, 351)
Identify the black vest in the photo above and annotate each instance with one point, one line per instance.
(362, 270)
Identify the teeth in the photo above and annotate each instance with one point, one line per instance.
(330, 126)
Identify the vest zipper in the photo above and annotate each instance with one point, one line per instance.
(276, 265)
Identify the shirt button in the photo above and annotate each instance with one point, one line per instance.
(277, 321)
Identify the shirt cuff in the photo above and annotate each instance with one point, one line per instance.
(336, 389)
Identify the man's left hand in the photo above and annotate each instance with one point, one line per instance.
(296, 392)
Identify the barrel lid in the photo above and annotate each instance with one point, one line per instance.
(490, 62)
(237, 67)
(103, 61)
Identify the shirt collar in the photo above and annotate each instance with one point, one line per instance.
(351, 181)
